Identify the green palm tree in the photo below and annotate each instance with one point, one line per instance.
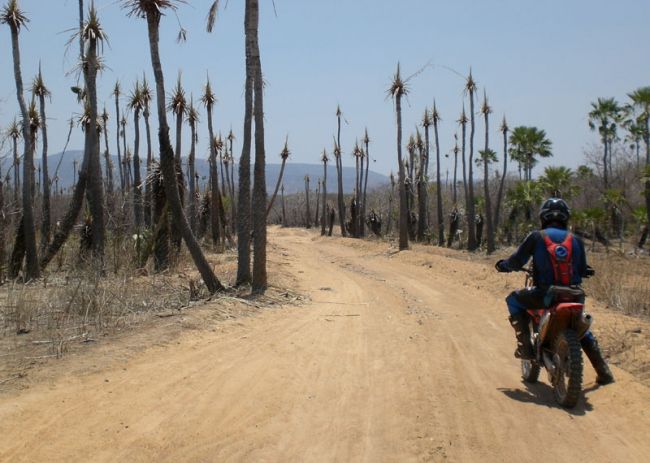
(526, 144)
(605, 115)
(152, 11)
(41, 91)
(397, 90)
(558, 182)
(641, 104)
(209, 99)
(147, 97)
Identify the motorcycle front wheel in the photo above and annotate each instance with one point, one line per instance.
(567, 380)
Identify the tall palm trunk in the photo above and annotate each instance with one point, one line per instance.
(192, 173)
(339, 173)
(366, 141)
(323, 218)
(486, 180)
(138, 211)
(357, 193)
(27, 221)
(471, 211)
(463, 123)
(107, 158)
(116, 93)
(14, 143)
(244, 204)
(397, 90)
(422, 188)
(233, 202)
(497, 212)
(259, 185)
(42, 92)
(317, 214)
(284, 210)
(167, 160)
(307, 205)
(441, 220)
(277, 186)
(147, 184)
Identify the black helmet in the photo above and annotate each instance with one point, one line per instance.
(554, 210)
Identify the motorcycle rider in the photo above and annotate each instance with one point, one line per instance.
(554, 216)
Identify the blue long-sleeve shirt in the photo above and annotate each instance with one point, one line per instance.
(535, 247)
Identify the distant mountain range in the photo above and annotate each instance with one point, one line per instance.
(294, 173)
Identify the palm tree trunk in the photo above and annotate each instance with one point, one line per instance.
(471, 213)
(16, 172)
(119, 149)
(32, 268)
(365, 192)
(441, 219)
(339, 177)
(277, 187)
(323, 218)
(45, 226)
(233, 202)
(646, 139)
(147, 191)
(357, 198)
(167, 162)
(317, 216)
(486, 190)
(109, 165)
(259, 186)
(137, 184)
(497, 212)
(307, 205)
(192, 183)
(403, 206)
(244, 202)
(284, 210)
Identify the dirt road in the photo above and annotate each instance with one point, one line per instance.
(394, 357)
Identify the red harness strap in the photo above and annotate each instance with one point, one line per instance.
(561, 255)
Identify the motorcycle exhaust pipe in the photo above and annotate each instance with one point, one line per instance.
(584, 324)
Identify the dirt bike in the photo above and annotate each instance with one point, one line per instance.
(555, 336)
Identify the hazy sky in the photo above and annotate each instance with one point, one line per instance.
(541, 63)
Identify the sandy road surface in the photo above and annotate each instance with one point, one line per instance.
(393, 358)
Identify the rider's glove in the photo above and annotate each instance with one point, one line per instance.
(502, 266)
(589, 272)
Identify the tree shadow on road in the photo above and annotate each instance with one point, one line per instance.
(542, 394)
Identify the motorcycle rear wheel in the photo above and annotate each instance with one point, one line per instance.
(567, 381)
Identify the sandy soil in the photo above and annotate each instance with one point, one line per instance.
(393, 357)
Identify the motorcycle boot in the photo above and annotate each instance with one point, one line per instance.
(595, 356)
(520, 323)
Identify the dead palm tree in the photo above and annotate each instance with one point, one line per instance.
(147, 96)
(209, 99)
(423, 223)
(117, 92)
(324, 159)
(12, 16)
(397, 90)
(192, 120)
(435, 118)
(233, 202)
(455, 189)
(136, 105)
(14, 132)
(41, 91)
(366, 143)
(284, 155)
(259, 283)
(497, 213)
(486, 111)
(307, 205)
(107, 156)
(126, 157)
(152, 11)
(339, 171)
(470, 88)
(358, 160)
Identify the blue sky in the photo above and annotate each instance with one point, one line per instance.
(541, 63)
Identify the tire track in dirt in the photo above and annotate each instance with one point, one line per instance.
(389, 360)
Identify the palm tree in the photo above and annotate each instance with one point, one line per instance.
(284, 155)
(107, 157)
(147, 96)
(260, 281)
(641, 103)
(470, 88)
(41, 91)
(463, 123)
(526, 143)
(136, 105)
(497, 213)
(358, 158)
(209, 99)
(307, 205)
(14, 132)
(486, 110)
(178, 107)
(435, 118)
(231, 158)
(15, 19)
(324, 159)
(558, 182)
(456, 150)
(126, 161)
(397, 90)
(117, 92)
(152, 11)
(604, 117)
(339, 172)
(366, 143)
(192, 120)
